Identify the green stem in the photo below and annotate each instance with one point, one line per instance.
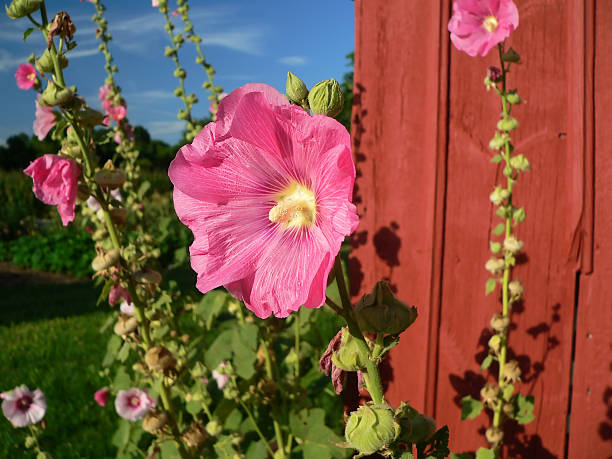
(297, 345)
(261, 435)
(169, 407)
(270, 374)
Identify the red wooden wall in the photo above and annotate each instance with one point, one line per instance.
(422, 120)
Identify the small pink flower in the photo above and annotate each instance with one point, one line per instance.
(478, 25)
(175, 13)
(133, 404)
(101, 396)
(103, 92)
(266, 190)
(221, 378)
(25, 76)
(127, 308)
(55, 182)
(44, 121)
(128, 132)
(213, 106)
(118, 293)
(155, 3)
(116, 112)
(24, 407)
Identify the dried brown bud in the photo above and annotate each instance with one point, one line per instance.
(512, 371)
(154, 421)
(147, 277)
(110, 179)
(490, 394)
(516, 289)
(126, 325)
(500, 323)
(62, 26)
(105, 260)
(195, 435)
(159, 358)
(118, 215)
(494, 435)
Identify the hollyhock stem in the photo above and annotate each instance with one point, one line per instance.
(257, 429)
(270, 374)
(297, 345)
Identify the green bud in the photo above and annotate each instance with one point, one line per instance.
(371, 428)
(381, 312)
(44, 63)
(31, 58)
(53, 95)
(499, 195)
(499, 141)
(90, 117)
(495, 247)
(520, 163)
(182, 114)
(179, 92)
(326, 98)
(214, 428)
(169, 52)
(20, 8)
(30, 441)
(352, 355)
(415, 427)
(494, 435)
(495, 343)
(199, 60)
(514, 98)
(507, 124)
(296, 89)
(110, 179)
(511, 56)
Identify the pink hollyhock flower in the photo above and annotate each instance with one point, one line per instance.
(44, 121)
(175, 13)
(478, 25)
(103, 92)
(212, 107)
(24, 407)
(101, 396)
(118, 293)
(25, 76)
(133, 404)
(116, 112)
(266, 190)
(55, 182)
(155, 3)
(128, 132)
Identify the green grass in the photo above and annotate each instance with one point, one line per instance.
(49, 336)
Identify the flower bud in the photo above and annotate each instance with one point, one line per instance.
(495, 265)
(415, 427)
(508, 409)
(520, 162)
(516, 289)
(195, 435)
(110, 179)
(119, 215)
(62, 26)
(180, 73)
(44, 63)
(513, 98)
(499, 195)
(90, 117)
(53, 95)
(512, 371)
(490, 394)
(494, 73)
(371, 428)
(326, 97)
(125, 325)
(169, 52)
(20, 8)
(507, 124)
(499, 141)
(154, 421)
(495, 343)
(106, 260)
(352, 355)
(500, 323)
(296, 89)
(494, 435)
(147, 277)
(511, 56)
(512, 244)
(214, 428)
(159, 358)
(381, 312)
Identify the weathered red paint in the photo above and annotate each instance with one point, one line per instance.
(422, 121)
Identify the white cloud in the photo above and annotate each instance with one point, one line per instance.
(293, 60)
(150, 94)
(247, 40)
(83, 53)
(9, 62)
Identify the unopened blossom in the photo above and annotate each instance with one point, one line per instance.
(133, 404)
(221, 378)
(128, 133)
(101, 396)
(127, 308)
(23, 407)
(55, 182)
(44, 121)
(478, 25)
(25, 76)
(118, 293)
(266, 190)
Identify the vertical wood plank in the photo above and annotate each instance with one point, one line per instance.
(591, 407)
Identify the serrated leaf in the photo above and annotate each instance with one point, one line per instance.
(490, 285)
(524, 412)
(486, 363)
(169, 450)
(508, 390)
(499, 229)
(470, 408)
(27, 33)
(211, 305)
(496, 159)
(317, 438)
(224, 447)
(220, 349)
(105, 291)
(485, 453)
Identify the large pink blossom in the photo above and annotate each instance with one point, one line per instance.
(25, 76)
(133, 404)
(55, 182)
(266, 191)
(44, 121)
(24, 407)
(478, 25)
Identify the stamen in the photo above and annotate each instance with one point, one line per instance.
(490, 23)
(296, 207)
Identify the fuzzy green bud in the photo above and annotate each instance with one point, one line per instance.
(520, 162)
(495, 265)
(507, 124)
(415, 427)
(54, 95)
(214, 428)
(106, 260)
(495, 343)
(494, 435)
(21, 8)
(499, 195)
(371, 428)
(513, 98)
(180, 73)
(381, 312)
(512, 244)
(44, 63)
(326, 97)
(352, 355)
(169, 52)
(295, 88)
(499, 140)
(516, 289)
(511, 56)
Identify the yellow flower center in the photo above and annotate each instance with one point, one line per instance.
(296, 207)
(490, 23)
(31, 76)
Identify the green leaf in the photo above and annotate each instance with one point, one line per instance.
(144, 187)
(220, 349)
(244, 345)
(256, 450)
(105, 291)
(169, 450)
(524, 412)
(124, 352)
(193, 407)
(507, 393)
(485, 453)
(518, 216)
(490, 285)
(122, 434)
(470, 408)
(486, 363)
(225, 448)
(27, 33)
(233, 420)
(499, 229)
(211, 305)
(112, 348)
(122, 380)
(317, 438)
(496, 159)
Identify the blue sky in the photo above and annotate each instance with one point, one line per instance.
(246, 41)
